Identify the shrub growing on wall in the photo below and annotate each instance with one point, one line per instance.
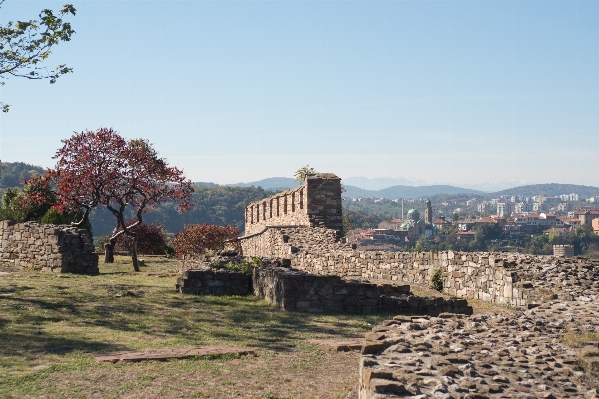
(436, 281)
(199, 238)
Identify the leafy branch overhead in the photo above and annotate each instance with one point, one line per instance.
(24, 45)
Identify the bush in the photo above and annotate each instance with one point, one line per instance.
(245, 266)
(436, 281)
(199, 238)
(52, 216)
(151, 240)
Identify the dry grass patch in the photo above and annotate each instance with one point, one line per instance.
(51, 324)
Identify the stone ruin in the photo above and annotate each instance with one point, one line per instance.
(447, 352)
(290, 289)
(316, 203)
(47, 248)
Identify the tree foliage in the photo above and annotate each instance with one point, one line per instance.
(356, 219)
(14, 174)
(300, 174)
(29, 203)
(199, 238)
(436, 281)
(151, 239)
(25, 45)
(214, 204)
(102, 168)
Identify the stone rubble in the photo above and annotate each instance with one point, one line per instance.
(485, 356)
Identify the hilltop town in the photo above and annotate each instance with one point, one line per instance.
(508, 222)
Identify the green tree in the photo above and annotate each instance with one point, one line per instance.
(24, 45)
(300, 174)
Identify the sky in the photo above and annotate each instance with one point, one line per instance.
(470, 93)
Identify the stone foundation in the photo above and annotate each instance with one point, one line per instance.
(505, 278)
(47, 248)
(209, 281)
(293, 290)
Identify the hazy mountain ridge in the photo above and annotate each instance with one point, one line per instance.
(404, 191)
(550, 189)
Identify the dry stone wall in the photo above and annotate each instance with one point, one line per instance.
(293, 290)
(505, 278)
(48, 248)
(317, 203)
(209, 281)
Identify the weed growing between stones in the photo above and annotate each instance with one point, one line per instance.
(436, 281)
(245, 266)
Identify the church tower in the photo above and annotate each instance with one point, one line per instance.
(428, 212)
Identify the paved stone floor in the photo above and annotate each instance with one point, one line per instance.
(485, 356)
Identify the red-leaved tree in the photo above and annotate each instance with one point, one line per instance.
(102, 169)
(199, 238)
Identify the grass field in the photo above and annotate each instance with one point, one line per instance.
(52, 324)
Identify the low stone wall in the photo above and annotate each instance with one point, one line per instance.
(506, 278)
(220, 259)
(294, 290)
(48, 248)
(209, 281)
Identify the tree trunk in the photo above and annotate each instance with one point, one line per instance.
(134, 254)
(109, 252)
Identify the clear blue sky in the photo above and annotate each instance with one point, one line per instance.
(454, 92)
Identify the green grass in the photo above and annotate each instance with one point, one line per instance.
(52, 324)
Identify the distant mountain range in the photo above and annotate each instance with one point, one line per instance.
(401, 191)
(397, 192)
(551, 189)
(271, 183)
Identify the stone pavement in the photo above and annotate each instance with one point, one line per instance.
(485, 356)
(339, 345)
(164, 354)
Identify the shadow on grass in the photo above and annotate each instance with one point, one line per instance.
(32, 341)
(161, 316)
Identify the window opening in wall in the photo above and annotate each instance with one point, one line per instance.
(270, 209)
(257, 213)
(285, 205)
(301, 201)
(264, 211)
(278, 206)
(292, 202)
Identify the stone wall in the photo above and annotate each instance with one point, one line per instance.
(293, 290)
(506, 278)
(48, 248)
(209, 281)
(567, 251)
(317, 203)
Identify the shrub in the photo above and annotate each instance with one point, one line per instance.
(245, 266)
(151, 240)
(436, 281)
(52, 216)
(199, 238)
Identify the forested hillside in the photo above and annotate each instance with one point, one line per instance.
(551, 189)
(12, 173)
(213, 204)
